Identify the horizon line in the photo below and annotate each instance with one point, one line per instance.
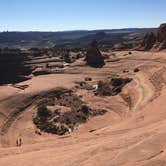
(74, 30)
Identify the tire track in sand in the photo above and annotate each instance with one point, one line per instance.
(145, 91)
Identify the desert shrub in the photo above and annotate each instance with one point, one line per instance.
(116, 81)
(85, 109)
(43, 112)
(50, 102)
(66, 57)
(99, 112)
(120, 81)
(78, 56)
(57, 112)
(113, 87)
(47, 65)
(59, 129)
(104, 88)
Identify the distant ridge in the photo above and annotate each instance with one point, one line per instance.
(75, 38)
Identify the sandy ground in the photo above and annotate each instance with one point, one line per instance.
(131, 133)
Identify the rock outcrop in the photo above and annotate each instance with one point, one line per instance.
(12, 66)
(161, 38)
(148, 41)
(155, 42)
(94, 57)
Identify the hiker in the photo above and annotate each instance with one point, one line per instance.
(19, 142)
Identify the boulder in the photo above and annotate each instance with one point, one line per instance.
(94, 57)
(112, 87)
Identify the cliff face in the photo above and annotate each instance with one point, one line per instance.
(148, 41)
(155, 42)
(161, 38)
(12, 68)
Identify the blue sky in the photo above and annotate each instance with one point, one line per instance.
(58, 15)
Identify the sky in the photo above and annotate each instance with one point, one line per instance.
(60, 15)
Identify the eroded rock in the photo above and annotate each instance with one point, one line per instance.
(161, 38)
(148, 41)
(94, 57)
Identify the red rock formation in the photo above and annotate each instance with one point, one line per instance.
(161, 38)
(151, 41)
(94, 57)
(148, 41)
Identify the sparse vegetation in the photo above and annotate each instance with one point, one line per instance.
(60, 122)
(88, 79)
(113, 87)
(43, 112)
(104, 88)
(136, 70)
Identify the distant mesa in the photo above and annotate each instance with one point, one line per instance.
(94, 57)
